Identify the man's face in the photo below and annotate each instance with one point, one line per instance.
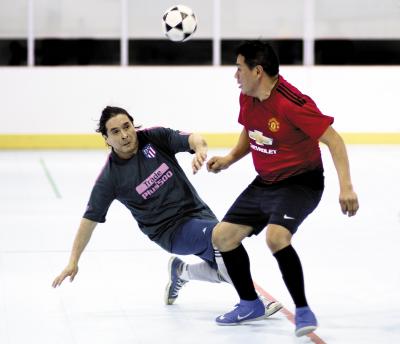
(121, 136)
(247, 78)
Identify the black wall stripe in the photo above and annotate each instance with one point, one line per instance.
(93, 51)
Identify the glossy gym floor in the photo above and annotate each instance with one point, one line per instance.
(351, 264)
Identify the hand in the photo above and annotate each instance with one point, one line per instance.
(217, 164)
(71, 270)
(348, 202)
(198, 160)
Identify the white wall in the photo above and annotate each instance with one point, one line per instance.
(239, 19)
(69, 100)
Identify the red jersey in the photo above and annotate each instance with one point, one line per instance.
(283, 132)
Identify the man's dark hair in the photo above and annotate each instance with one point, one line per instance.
(259, 53)
(107, 113)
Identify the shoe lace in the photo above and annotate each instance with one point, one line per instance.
(178, 285)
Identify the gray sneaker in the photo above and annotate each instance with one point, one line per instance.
(271, 307)
(175, 266)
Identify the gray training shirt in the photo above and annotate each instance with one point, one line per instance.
(151, 185)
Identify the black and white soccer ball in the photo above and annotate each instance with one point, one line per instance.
(179, 23)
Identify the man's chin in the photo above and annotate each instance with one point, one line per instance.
(129, 148)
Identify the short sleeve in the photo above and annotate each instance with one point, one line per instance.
(174, 141)
(309, 119)
(101, 198)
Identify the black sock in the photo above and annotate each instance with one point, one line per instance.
(238, 266)
(292, 274)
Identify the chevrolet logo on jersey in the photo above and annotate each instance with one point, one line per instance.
(260, 138)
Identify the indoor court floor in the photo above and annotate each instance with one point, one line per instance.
(351, 265)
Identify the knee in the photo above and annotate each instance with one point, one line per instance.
(227, 237)
(273, 244)
(277, 240)
(223, 241)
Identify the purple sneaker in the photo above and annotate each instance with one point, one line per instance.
(305, 321)
(244, 311)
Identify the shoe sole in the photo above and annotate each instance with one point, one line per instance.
(242, 322)
(305, 330)
(167, 300)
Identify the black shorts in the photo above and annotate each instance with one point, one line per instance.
(286, 203)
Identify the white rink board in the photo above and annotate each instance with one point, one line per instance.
(69, 100)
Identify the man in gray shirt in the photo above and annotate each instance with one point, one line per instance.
(143, 174)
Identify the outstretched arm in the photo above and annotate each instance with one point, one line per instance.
(242, 148)
(82, 238)
(348, 198)
(199, 145)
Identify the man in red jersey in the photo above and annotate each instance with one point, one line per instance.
(282, 130)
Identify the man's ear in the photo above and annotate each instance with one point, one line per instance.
(259, 70)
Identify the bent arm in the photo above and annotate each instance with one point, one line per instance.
(242, 148)
(347, 198)
(82, 238)
(199, 145)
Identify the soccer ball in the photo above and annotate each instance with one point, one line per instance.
(179, 23)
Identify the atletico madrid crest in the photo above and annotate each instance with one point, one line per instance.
(149, 151)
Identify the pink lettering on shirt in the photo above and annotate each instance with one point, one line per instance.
(154, 181)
